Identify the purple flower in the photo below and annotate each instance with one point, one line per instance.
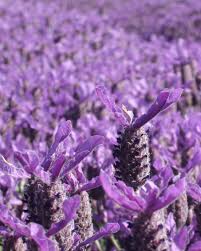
(150, 199)
(32, 231)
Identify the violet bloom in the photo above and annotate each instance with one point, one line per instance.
(133, 166)
(48, 201)
(132, 152)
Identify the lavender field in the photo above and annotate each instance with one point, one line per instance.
(100, 125)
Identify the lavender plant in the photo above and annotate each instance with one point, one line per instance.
(72, 177)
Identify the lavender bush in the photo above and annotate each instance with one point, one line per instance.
(100, 134)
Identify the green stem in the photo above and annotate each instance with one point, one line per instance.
(97, 243)
(115, 243)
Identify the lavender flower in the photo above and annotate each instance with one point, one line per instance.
(100, 182)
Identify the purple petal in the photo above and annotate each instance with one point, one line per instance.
(37, 233)
(108, 229)
(194, 191)
(33, 159)
(57, 166)
(149, 193)
(63, 131)
(21, 157)
(195, 246)
(108, 101)
(14, 223)
(30, 163)
(42, 175)
(74, 162)
(32, 230)
(7, 168)
(82, 152)
(169, 195)
(129, 192)
(81, 178)
(181, 239)
(93, 183)
(163, 101)
(29, 160)
(166, 175)
(171, 225)
(117, 195)
(196, 160)
(70, 207)
(158, 165)
(72, 182)
(163, 178)
(174, 96)
(90, 143)
(5, 232)
(7, 181)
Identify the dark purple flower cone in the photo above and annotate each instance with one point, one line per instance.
(148, 233)
(44, 206)
(132, 157)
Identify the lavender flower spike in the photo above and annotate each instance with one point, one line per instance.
(83, 221)
(70, 207)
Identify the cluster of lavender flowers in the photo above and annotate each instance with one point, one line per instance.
(100, 134)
